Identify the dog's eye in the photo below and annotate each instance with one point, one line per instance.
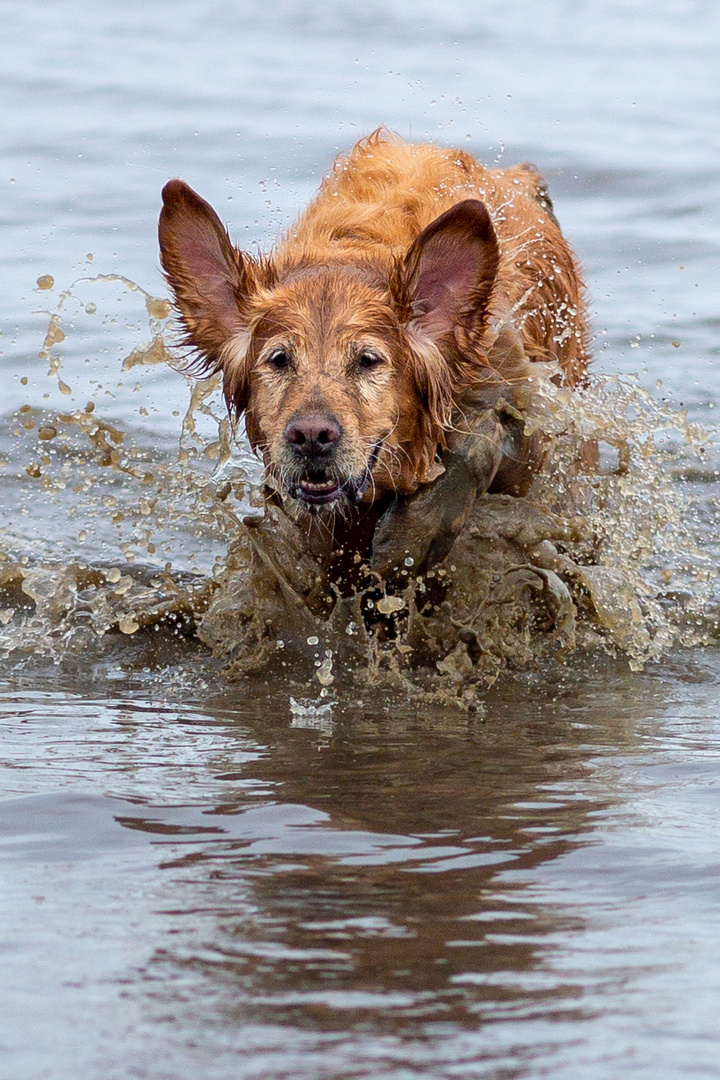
(368, 360)
(279, 359)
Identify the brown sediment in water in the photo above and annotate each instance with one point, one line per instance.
(582, 562)
(487, 607)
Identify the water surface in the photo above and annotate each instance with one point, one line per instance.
(208, 879)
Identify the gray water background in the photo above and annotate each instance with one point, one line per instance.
(199, 882)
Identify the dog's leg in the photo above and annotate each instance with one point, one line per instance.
(423, 526)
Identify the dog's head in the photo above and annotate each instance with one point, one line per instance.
(346, 369)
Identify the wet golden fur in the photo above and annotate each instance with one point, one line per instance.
(365, 315)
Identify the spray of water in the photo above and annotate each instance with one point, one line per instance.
(189, 543)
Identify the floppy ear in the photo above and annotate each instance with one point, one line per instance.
(449, 273)
(210, 278)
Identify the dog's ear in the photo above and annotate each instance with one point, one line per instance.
(210, 278)
(442, 289)
(449, 273)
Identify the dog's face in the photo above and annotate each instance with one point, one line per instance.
(324, 380)
(346, 371)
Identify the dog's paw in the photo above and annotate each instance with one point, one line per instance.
(418, 531)
(397, 542)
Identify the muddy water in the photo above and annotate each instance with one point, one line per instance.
(341, 866)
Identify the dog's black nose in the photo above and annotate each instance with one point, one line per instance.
(313, 435)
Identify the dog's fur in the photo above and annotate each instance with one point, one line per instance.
(374, 352)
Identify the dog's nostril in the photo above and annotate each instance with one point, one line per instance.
(313, 434)
(328, 435)
(295, 435)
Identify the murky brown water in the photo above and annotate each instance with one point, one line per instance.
(345, 866)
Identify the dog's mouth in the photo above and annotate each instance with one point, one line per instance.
(317, 488)
(317, 492)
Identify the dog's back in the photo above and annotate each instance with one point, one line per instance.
(381, 196)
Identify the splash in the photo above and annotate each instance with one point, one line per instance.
(190, 543)
(583, 562)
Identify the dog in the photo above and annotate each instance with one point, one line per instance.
(380, 352)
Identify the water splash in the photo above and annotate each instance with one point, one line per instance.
(190, 541)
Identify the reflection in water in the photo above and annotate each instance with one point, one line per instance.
(418, 889)
(388, 892)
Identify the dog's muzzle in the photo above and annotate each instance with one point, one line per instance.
(314, 443)
(318, 487)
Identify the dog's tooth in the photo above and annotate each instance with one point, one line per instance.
(323, 485)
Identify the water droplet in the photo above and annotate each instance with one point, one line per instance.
(389, 604)
(156, 308)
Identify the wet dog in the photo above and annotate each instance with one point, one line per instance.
(379, 353)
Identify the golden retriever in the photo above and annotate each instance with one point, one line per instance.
(376, 354)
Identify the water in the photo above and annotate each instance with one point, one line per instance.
(208, 878)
